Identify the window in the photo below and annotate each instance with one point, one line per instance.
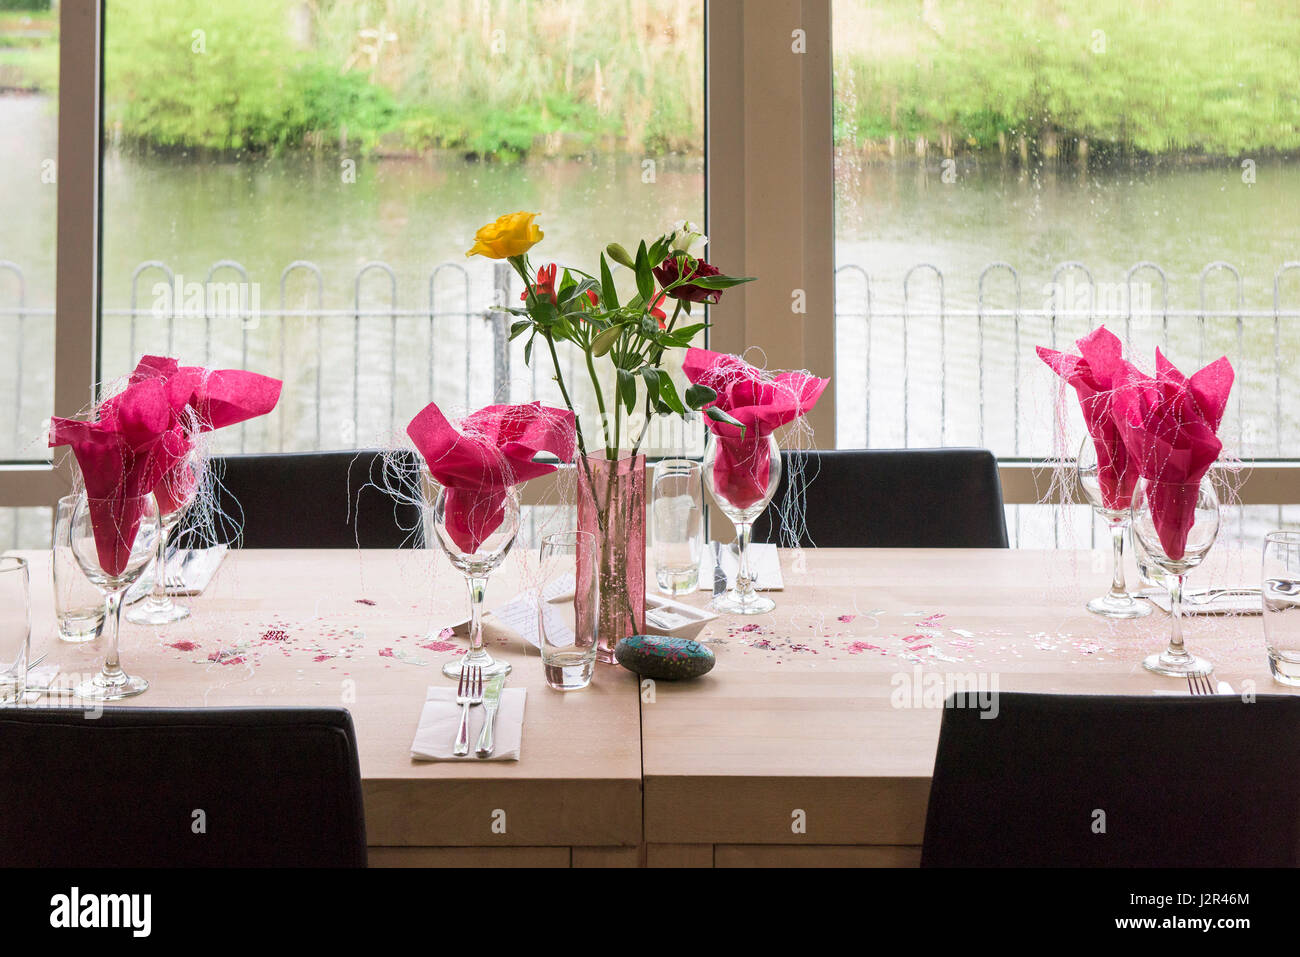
(1009, 176)
(292, 187)
(29, 79)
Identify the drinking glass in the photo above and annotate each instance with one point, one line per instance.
(78, 606)
(477, 566)
(1281, 592)
(173, 497)
(677, 525)
(112, 682)
(15, 629)
(1203, 505)
(568, 638)
(742, 497)
(1114, 508)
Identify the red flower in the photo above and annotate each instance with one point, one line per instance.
(657, 312)
(591, 294)
(668, 273)
(545, 288)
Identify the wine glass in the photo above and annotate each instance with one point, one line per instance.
(1202, 504)
(127, 560)
(742, 484)
(1113, 505)
(476, 566)
(173, 495)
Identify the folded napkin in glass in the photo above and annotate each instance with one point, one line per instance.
(436, 736)
(764, 565)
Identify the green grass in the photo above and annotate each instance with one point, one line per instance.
(1151, 76)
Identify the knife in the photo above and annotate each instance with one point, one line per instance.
(485, 745)
(719, 576)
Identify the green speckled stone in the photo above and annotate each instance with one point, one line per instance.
(670, 659)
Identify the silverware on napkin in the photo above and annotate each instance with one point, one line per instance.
(468, 693)
(486, 744)
(719, 576)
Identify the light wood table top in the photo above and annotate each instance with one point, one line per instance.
(331, 628)
(825, 712)
(831, 705)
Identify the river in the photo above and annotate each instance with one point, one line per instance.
(341, 212)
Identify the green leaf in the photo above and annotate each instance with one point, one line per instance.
(717, 415)
(645, 277)
(609, 290)
(720, 282)
(528, 351)
(652, 379)
(698, 396)
(517, 329)
(605, 341)
(627, 389)
(659, 251)
(687, 333)
(668, 394)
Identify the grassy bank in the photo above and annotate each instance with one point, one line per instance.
(1149, 76)
(498, 77)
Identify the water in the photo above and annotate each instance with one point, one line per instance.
(569, 670)
(266, 212)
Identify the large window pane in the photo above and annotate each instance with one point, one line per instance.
(29, 76)
(330, 162)
(1009, 175)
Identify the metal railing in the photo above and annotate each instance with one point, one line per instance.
(922, 355)
(858, 301)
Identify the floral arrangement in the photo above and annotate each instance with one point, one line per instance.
(570, 305)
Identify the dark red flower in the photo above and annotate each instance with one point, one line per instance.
(668, 273)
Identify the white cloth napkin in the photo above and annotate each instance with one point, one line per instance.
(436, 735)
(764, 564)
(1229, 603)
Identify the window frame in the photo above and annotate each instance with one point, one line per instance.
(769, 160)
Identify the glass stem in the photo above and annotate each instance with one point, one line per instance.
(477, 589)
(1176, 649)
(1118, 587)
(158, 598)
(112, 673)
(744, 581)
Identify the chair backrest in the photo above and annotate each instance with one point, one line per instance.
(311, 500)
(1111, 781)
(893, 498)
(184, 787)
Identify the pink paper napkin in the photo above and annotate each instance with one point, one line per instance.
(140, 440)
(200, 400)
(759, 401)
(1168, 423)
(1094, 374)
(490, 453)
(121, 460)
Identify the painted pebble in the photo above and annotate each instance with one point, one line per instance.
(653, 656)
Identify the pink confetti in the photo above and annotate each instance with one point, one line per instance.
(860, 646)
(184, 645)
(364, 601)
(386, 652)
(439, 646)
(275, 634)
(847, 618)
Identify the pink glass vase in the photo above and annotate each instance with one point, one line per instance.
(611, 506)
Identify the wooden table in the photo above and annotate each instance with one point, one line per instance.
(297, 628)
(808, 744)
(811, 742)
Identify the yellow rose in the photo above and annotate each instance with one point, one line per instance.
(511, 235)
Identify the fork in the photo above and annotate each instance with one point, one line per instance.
(1199, 684)
(468, 693)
